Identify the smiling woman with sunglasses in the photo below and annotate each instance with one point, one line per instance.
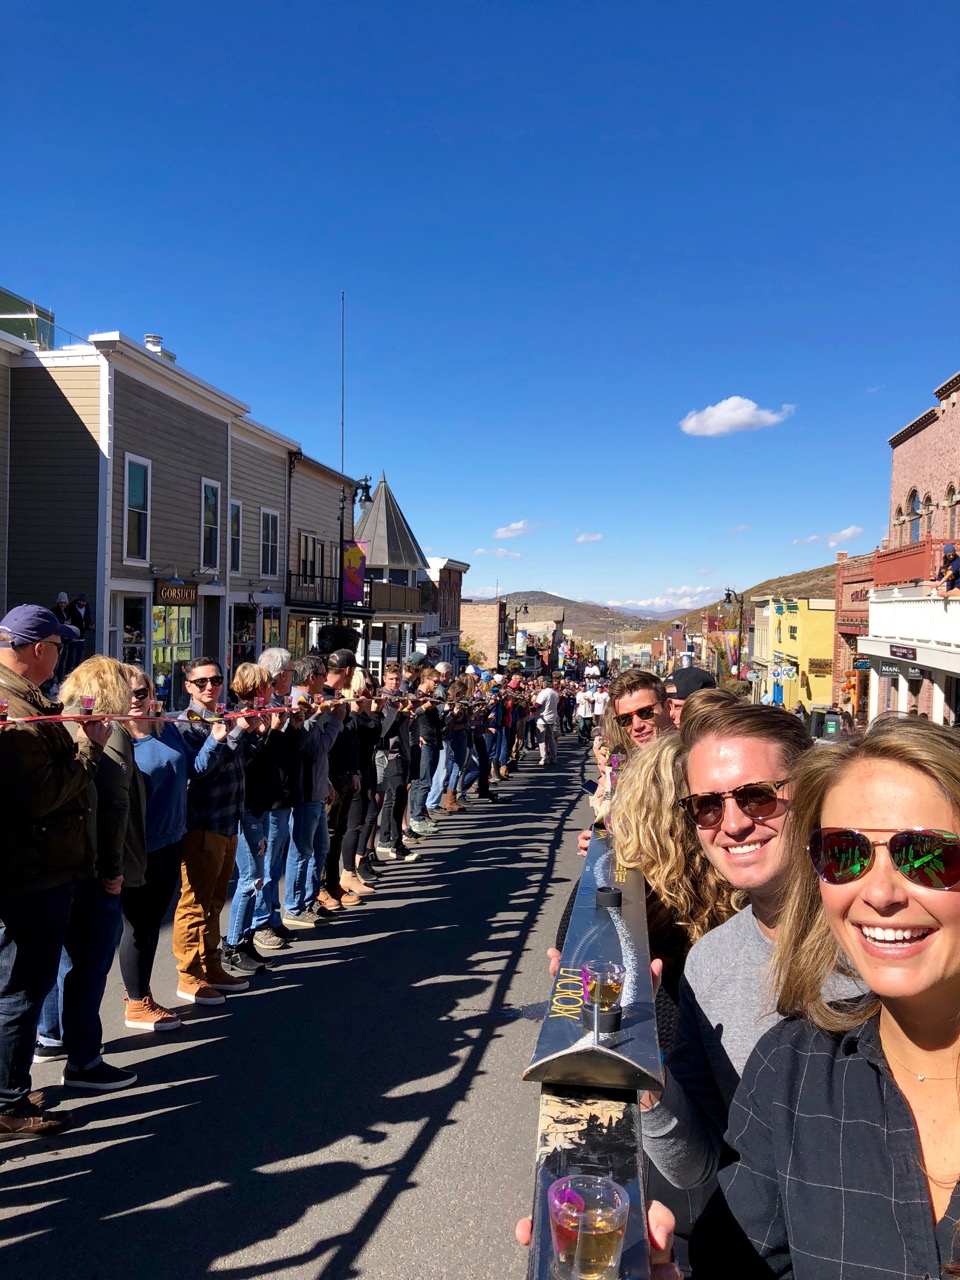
(847, 1121)
(162, 759)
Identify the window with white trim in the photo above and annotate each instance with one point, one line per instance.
(236, 536)
(136, 508)
(209, 524)
(269, 543)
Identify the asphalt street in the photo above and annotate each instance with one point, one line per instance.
(358, 1112)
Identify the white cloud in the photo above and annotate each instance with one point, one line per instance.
(704, 573)
(802, 542)
(739, 528)
(736, 413)
(683, 597)
(480, 593)
(615, 604)
(590, 537)
(872, 391)
(501, 553)
(515, 530)
(851, 531)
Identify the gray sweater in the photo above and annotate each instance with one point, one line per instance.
(725, 1007)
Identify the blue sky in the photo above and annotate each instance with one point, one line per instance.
(563, 229)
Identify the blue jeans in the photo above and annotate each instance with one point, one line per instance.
(250, 839)
(71, 1011)
(32, 929)
(307, 855)
(429, 755)
(439, 784)
(458, 752)
(266, 910)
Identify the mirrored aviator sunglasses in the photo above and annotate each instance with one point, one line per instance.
(928, 859)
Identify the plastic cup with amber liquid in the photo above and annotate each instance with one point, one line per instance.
(588, 1218)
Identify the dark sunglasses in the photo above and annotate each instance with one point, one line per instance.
(214, 681)
(928, 859)
(755, 799)
(139, 694)
(641, 713)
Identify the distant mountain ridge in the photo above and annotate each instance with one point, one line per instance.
(582, 617)
(598, 622)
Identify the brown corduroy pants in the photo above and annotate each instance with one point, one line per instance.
(208, 860)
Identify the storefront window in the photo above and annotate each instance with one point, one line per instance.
(134, 623)
(270, 629)
(172, 650)
(298, 632)
(243, 641)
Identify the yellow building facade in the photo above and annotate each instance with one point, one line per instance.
(792, 657)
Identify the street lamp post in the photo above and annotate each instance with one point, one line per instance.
(362, 490)
(729, 596)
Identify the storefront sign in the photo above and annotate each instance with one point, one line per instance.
(861, 664)
(904, 652)
(915, 673)
(889, 669)
(820, 666)
(166, 593)
(855, 597)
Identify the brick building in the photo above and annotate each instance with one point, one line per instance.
(913, 640)
(854, 583)
(485, 622)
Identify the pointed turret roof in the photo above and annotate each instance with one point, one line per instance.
(390, 540)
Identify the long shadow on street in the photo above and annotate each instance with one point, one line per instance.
(225, 1143)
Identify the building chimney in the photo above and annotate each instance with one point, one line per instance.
(841, 556)
(154, 344)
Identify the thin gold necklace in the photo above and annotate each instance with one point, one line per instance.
(891, 1054)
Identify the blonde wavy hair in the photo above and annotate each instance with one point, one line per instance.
(105, 680)
(806, 953)
(653, 834)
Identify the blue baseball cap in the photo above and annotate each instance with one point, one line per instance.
(31, 623)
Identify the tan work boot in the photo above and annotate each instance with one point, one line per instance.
(449, 802)
(350, 882)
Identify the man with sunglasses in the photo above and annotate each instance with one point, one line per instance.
(45, 779)
(639, 703)
(217, 756)
(737, 759)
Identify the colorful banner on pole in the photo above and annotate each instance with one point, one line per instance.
(354, 570)
(731, 641)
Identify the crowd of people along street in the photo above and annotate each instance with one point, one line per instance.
(299, 786)
(803, 907)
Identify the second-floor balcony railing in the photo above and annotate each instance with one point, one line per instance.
(912, 616)
(915, 562)
(385, 597)
(305, 588)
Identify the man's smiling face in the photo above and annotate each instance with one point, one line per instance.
(747, 852)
